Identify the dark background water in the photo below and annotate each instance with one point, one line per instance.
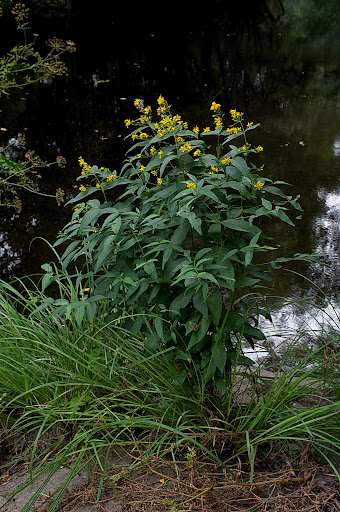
(279, 62)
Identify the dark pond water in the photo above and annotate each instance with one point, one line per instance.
(282, 68)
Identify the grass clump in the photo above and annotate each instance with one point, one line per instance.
(78, 393)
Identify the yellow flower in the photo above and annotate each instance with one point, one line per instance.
(139, 155)
(154, 173)
(236, 116)
(259, 185)
(142, 167)
(137, 102)
(97, 185)
(162, 480)
(159, 181)
(134, 136)
(161, 109)
(214, 168)
(85, 167)
(112, 177)
(218, 122)
(160, 153)
(180, 139)
(143, 135)
(161, 100)
(152, 150)
(226, 161)
(127, 122)
(215, 106)
(249, 125)
(82, 188)
(259, 148)
(191, 185)
(234, 130)
(196, 131)
(147, 109)
(197, 152)
(206, 129)
(185, 147)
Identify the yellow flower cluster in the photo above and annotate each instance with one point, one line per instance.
(214, 169)
(235, 115)
(82, 188)
(226, 161)
(169, 124)
(191, 185)
(185, 147)
(218, 122)
(259, 148)
(84, 166)
(111, 177)
(245, 147)
(232, 131)
(216, 108)
(197, 152)
(145, 111)
(141, 136)
(196, 131)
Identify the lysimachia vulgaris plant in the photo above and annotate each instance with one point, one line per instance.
(170, 245)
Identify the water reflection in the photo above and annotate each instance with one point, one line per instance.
(295, 323)
(284, 75)
(327, 235)
(336, 146)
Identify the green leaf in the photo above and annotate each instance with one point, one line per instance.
(205, 191)
(166, 255)
(150, 269)
(242, 281)
(219, 355)
(179, 235)
(103, 251)
(215, 231)
(274, 190)
(283, 216)
(207, 275)
(91, 309)
(90, 217)
(200, 332)
(200, 303)
(47, 280)
(182, 300)
(158, 323)
(214, 301)
(151, 344)
(266, 204)
(240, 225)
(248, 257)
(79, 312)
